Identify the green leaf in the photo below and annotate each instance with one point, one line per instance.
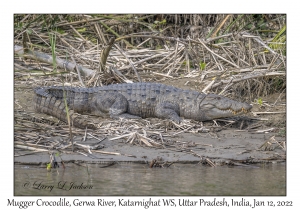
(81, 30)
(48, 166)
(202, 66)
(260, 101)
(164, 21)
(61, 31)
(29, 31)
(158, 47)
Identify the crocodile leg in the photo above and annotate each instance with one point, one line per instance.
(113, 103)
(52, 106)
(168, 110)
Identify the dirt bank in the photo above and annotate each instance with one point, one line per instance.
(225, 147)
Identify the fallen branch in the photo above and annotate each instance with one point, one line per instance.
(30, 148)
(258, 113)
(43, 57)
(249, 76)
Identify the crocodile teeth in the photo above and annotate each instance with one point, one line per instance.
(244, 110)
(235, 112)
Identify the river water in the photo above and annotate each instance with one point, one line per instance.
(138, 179)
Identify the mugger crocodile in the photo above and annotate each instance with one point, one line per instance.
(134, 100)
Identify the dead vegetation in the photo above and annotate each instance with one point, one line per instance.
(239, 56)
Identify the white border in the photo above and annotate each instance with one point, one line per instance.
(153, 6)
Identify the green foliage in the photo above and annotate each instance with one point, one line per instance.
(279, 41)
(158, 47)
(202, 66)
(70, 18)
(29, 31)
(260, 101)
(18, 25)
(158, 24)
(66, 106)
(164, 21)
(61, 31)
(53, 43)
(233, 23)
(81, 30)
(278, 83)
(49, 166)
(185, 62)
(282, 132)
(92, 39)
(49, 22)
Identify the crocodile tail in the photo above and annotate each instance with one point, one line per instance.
(58, 92)
(47, 103)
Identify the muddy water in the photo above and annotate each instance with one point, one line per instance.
(137, 179)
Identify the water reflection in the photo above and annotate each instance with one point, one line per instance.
(137, 179)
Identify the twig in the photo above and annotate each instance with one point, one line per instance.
(220, 26)
(78, 72)
(249, 76)
(78, 34)
(30, 153)
(132, 65)
(208, 86)
(119, 137)
(100, 140)
(210, 162)
(31, 148)
(264, 131)
(84, 138)
(105, 53)
(258, 39)
(78, 22)
(164, 75)
(100, 34)
(116, 34)
(258, 113)
(202, 43)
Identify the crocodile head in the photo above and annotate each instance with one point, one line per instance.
(216, 106)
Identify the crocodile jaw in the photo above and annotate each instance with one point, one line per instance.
(215, 113)
(215, 106)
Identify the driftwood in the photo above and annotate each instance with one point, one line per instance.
(43, 57)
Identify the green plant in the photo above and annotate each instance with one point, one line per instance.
(279, 41)
(202, 65)
(68, 118)
(158, 47)
(81, 30)
(52, 44)
(260, 101)
(48, 166)
(282, 132)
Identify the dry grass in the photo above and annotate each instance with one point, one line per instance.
(222, 60)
